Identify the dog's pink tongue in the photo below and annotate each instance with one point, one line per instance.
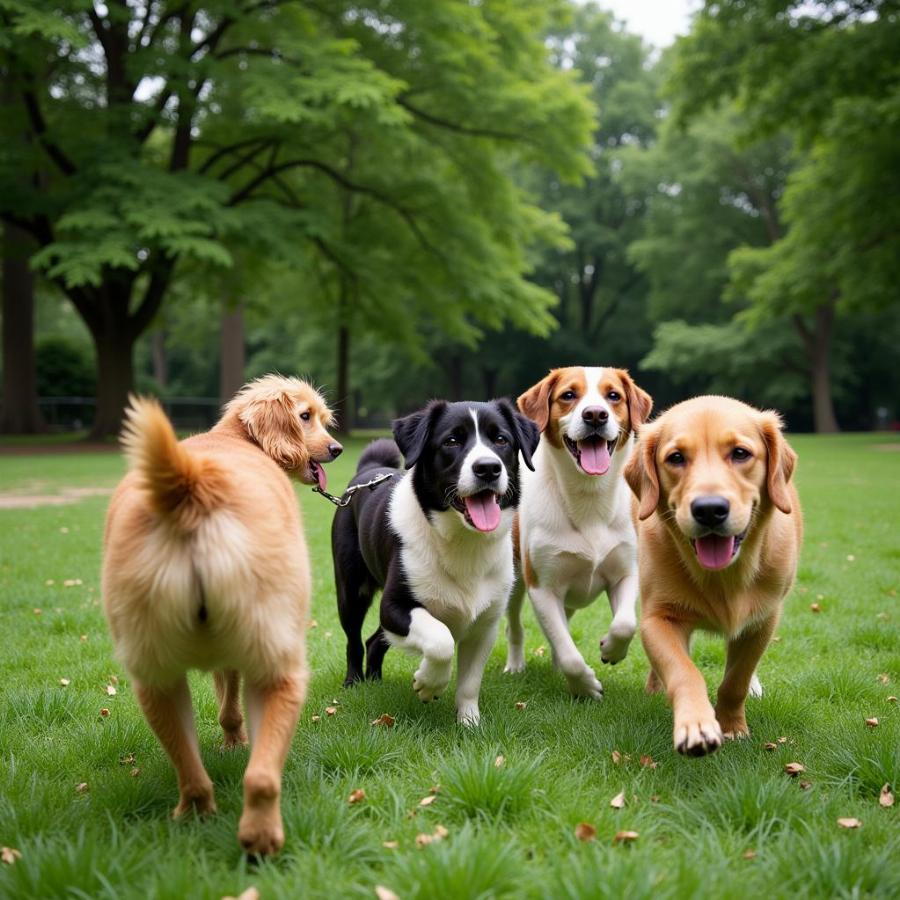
(714, 551)
(483, 510)
(321, 477)
(594, 456)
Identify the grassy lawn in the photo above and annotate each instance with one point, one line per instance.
(510, 828)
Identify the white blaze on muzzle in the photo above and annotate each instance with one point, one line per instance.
(480, 500)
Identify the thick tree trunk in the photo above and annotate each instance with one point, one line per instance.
(21, 413)
(343, 405)
(232, 351)
(115, 379)
(820, 365)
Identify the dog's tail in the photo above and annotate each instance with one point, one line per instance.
(183, 486)
(381, 453)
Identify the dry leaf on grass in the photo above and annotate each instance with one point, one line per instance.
(356, 796)
(330, 710)
(135, 772)
(81, 787)
(815, 607)
(849, 823)
(315, 718)
(618, 801)
(584, 831)
(805, 785)
(427, 801)
(64, 682)
(648, 762)
(539, 651)
(616, 757)
(83, 638)
(390, 845)
(104, 712)
(385, 719)
(625, 837)
(770, 745)
(499, 761)
(794, 768)
(126, 760)
(892, 699)
(37, 611)
(886, 798)
(385, 893)
(251, 893)
(111, 691)
(749, 854)
(439, 833)
(884, 678)
(521, 704)
(9, 855)
(872, 723)
(782, 740)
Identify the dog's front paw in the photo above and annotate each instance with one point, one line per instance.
(431, 680)
(733, 724)
(468, 713)
(261, 832)
(697, 735)
(614, 645)
(198, 798)
(585, 684)
(515, 660)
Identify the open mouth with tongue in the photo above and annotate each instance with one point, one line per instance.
(481, 510)
(316, 473)
(715, 551)
(592, 454)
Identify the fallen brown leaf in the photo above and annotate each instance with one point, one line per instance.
(434, 789)
(584, 831)
(356, 796)
(499, 761)
(111, 691)
(872, 723)
(892, 699)
(83, 637)
(440, 832)
(385, 719)
(330, 710)
(427, 801)
(135, 772)
(794, 768)
(625, 837)
(113, 679)
(770, 745)
(886, 798)
(654, 798)
(884, 678)
(390, 845)
(616, 757)
(521, 704)
(315, 718)
(104, 712)
(313, 624)
(782, 740)
(618, 801)
(64, 682)
(251, 893)
(385, 893)
(805, 785)
(849, 823)
(749, 854)
(540, 651)
(9, 855)
(815, 607)
(648, 762)
(37, 611)
(81, 787)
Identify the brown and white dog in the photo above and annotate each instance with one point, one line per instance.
(205, 567)
(719, 529)
(576, 537)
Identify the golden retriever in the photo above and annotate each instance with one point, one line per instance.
(719, 535)
(205, 566)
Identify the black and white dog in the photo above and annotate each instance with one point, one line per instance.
(436, 540)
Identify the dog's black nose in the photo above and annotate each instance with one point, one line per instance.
(487, 468)
(711, 510)
(335, 450)
(594, 415)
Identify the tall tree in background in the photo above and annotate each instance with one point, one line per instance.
(827, 74)
(170, 132)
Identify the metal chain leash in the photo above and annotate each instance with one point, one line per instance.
(347, 496)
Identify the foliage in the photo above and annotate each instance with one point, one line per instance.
(65, 368)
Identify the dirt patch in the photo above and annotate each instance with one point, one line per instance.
(887, 448)
(19, 500)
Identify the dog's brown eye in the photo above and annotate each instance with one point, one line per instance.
(739, 454)
(501, 439)
(304, 416)
(567, 395)
(676, 458)
(614, 396)
(451, 441)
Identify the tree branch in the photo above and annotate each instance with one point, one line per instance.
(160, 276)
(39, 125)
(457, 127)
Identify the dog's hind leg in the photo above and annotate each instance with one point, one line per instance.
(376, 647)
(515, 634)
(354, 595)
(272, 711)
(228, 688)
(171, 716)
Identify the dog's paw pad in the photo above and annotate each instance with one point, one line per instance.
(585, 685)
(698, 737)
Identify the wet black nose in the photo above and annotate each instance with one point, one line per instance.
(487, 468)
(594, 415)
(710, 510)
(335, 450)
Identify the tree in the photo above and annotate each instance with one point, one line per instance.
(168, 133)
(826, 75)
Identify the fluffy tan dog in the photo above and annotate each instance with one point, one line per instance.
(205, 566)
(719, 534)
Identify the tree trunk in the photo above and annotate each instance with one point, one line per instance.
(21, 413)
(820, 366)
(115, 379)
(232, 352)
(159, 359)
(343, 406)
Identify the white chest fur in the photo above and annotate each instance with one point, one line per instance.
(455, 573)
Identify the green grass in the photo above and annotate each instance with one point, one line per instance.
(511, 829)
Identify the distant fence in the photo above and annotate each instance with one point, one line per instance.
(76, 413)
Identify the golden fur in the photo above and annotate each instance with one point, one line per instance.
(205, 566)
(743, 600)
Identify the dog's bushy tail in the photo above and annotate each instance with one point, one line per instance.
(183, 486)
(383, 452)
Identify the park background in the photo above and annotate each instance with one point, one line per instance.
(416, 198)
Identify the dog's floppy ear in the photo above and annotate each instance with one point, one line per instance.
(524, 430)
(535, 402)
(411, 432)
(272, 422)
(641, 474)
(781, 462)
(640, 403)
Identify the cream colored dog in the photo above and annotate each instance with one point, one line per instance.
(719, 530)
(205, 567)
(575, 535)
